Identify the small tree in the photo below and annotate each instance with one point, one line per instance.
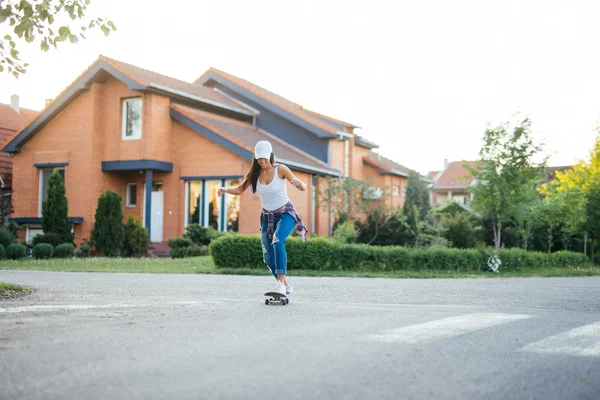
(506, 174)
(135, 238)
(55, 210)
(350, 201)
(107, 234)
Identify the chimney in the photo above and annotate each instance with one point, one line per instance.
(14, 103)
(445, 163)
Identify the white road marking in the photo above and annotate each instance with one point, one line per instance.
(84, 307)
(582, 341)
(446, 327)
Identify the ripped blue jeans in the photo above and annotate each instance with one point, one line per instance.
(274, 253)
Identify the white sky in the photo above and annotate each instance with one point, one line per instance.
(422, 78)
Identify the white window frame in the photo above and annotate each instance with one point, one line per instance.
(127, 195)
(40, 185)
(403, 191)
(35, 228)
(396, 190)
(124, 119)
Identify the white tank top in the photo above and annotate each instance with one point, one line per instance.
(274, 195)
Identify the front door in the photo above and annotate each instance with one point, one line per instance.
(156, 219)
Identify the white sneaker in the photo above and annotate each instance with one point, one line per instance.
(289, 290)
(280, 288)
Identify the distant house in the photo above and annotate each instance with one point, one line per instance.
(13, 118)
(166, 145)
(451, 183)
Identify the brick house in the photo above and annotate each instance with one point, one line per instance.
(13, 118)
(166, 145)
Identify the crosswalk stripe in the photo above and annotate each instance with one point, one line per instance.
(580, 341)
(446, 327)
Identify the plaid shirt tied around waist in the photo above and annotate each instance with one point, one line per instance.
(289, 209)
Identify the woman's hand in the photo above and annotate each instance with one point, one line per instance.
(298, 183)
(221, 190)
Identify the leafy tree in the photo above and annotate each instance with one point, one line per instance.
(107, 234)
(55, 210)
(460, 229)
(417, 198)
(592, 224)
(571, 188)
(551, 215)
(506, 174)
(39, 19)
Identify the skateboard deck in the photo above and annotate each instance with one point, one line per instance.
(276, 297)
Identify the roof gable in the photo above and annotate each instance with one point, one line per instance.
(318, 124)
(136, 79)
(385, 165)
(454, 176)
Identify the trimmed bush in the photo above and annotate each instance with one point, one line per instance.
(2, 252)
(50, 238)
(16, 251)
(245, 251)
(6, 237)
(55, 210)
(43, 250)
(107, 234)
(190, 251)
(200, 235)
(135, 238)
(65, 250)
(84, 251)
(180, 242)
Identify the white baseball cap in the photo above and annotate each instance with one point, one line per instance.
(263, 149)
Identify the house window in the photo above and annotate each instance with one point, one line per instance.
(213, 204)
(205, 208)
(131, 195)
(396, 190)
(233, 208)
(44, 183)
(404, 191)
(132, 119)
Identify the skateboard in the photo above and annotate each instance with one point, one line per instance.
(276, 297)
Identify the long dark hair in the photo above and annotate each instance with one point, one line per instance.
(252, 175)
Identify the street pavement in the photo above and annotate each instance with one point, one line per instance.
(177, 336)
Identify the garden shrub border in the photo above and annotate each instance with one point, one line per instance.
(245, 251)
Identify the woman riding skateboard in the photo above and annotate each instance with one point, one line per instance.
(278, 216)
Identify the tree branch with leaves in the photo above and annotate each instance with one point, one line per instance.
(29, 20)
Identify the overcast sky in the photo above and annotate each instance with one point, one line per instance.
(422, 78)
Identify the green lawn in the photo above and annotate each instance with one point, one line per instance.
(205, 265)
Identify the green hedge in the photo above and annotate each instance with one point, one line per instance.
(245, 251)
(43, 250)
(2, 252)
(189, 251)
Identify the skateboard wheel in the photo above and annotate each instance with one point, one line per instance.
(267, 301)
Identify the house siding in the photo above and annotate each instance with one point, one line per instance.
(284, 129)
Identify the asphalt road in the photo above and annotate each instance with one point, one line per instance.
(149, 336)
